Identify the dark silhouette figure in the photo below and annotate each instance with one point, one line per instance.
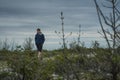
(39, 41)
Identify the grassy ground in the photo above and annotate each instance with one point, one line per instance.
(3, 65)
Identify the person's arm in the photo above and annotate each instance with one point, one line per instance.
(43, 38)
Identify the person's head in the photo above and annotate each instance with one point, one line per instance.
(38, 30)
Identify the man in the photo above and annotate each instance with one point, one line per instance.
(39, 41)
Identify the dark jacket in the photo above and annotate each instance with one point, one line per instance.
(39, 38)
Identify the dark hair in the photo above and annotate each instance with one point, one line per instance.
(38, 29)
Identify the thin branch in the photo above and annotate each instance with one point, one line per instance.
(118, 18)
(98, 12)
(58, 34)
(117, 10)
(109, 21)
(106, 6)
(101, 34)
(104, 18)
(68, 35)
(117, 26)
(110, 34)
(109, 1)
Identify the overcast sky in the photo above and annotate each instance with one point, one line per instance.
(20, 18)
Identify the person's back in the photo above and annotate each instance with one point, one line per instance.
(39, 38)
(39, 41)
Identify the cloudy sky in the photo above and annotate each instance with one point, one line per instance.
(20, 18)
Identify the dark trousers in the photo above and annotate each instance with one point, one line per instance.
(39, 47)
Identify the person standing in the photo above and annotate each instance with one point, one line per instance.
(39, 41)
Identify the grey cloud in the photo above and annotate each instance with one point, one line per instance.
(22, 17)
(34, 7)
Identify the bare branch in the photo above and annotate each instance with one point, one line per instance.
(117, 10)
(104, 18)
(109, 1)
(109, 21)
(110, 34)
(118, 18)
(117, 26)
(58, 34)
(106, 6)
(100, 21)
(68, 35)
